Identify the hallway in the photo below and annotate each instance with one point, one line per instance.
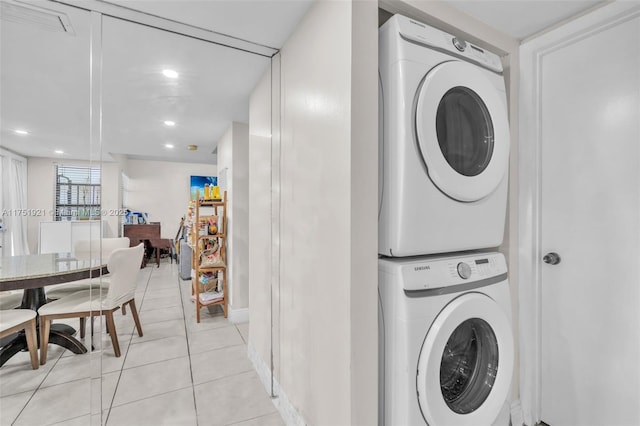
(178, 373)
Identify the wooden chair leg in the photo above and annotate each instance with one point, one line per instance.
(45, 328)
(111, 326)
(136, 318)
(32, 342)
(124, 309)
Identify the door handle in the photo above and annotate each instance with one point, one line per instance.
(551, 258)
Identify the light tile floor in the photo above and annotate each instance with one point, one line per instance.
(178, 373)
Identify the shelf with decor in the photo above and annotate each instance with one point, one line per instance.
(208, 240)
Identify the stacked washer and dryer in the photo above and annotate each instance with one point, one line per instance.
(446, 342)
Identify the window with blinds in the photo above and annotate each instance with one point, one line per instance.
(77, 193)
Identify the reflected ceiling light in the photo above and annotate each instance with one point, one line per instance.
(21, 132)
(169, 123)
(59, 151)
(168, 145)
(170, 73)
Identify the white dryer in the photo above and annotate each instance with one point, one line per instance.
(446, 349)
(444, 142)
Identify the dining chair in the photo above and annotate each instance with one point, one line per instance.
(124, 265)
(86, 249)
(14, 320)
(10, 299)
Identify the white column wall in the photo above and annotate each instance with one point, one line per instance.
(260, 218)
(325, 345)
(233, 155)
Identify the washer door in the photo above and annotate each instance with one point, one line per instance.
(462, 130)
(466, 363)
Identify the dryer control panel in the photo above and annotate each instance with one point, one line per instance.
(415, 31)
(443, 271)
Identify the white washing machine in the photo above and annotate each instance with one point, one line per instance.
(446, 344)
(444, 142)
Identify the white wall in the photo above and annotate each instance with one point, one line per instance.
(161, 188)
(260, 218)
(41, 193)
(233, 156)
(325, 302)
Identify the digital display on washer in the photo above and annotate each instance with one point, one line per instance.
(481, 261)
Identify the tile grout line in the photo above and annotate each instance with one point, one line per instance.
(113, 397)
(186, 333)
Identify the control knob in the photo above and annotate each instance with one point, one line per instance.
(464, 270)
(459, 44)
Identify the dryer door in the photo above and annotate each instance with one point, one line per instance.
(466, 363)
(463, 131)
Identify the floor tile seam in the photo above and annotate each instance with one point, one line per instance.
(154, 339)
(240, 333)
(230, 326)
(115, 390)
(149, 397)
(160, 308)
(153, 296)
(182, 296)
(62, 422)
(213, 349)
(33, 392)
(152, 363)
(55, 362)
(146, 287)
(158, 322)
(218, 349)
(253, 418)
(217, 379)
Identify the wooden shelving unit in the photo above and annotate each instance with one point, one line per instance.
(200, 240)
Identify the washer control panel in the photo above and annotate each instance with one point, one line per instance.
(431, 272)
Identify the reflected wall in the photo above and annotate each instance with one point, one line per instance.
(84, 89)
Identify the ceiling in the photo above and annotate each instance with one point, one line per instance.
(45, 85)
(522, 18)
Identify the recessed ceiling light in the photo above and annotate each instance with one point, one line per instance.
(168, 145)
(170, 73)
(59, 151)
(21, 132)
(169, 123)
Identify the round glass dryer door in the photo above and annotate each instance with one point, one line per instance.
(466, 363)
(462, 130)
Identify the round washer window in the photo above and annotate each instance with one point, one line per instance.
(465, 131)
(469, 366)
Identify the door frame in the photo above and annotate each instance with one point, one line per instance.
(532, 54)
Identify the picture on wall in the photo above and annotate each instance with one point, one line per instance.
(198, 183)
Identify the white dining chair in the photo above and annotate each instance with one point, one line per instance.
(10, 299)
(14, 320)
(87, 249)
(124, 265)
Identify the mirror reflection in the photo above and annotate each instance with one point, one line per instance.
(104, 124)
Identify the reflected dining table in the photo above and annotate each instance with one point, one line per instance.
(32, 273)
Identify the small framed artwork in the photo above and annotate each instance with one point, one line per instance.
(198, 183)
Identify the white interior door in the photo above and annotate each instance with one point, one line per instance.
(590, 216)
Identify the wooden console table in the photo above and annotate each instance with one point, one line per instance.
(143, 233)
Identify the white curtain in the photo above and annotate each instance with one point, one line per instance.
(15, 201)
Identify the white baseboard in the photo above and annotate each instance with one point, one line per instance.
(286, 409)
(517, 418)
(238, 316)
